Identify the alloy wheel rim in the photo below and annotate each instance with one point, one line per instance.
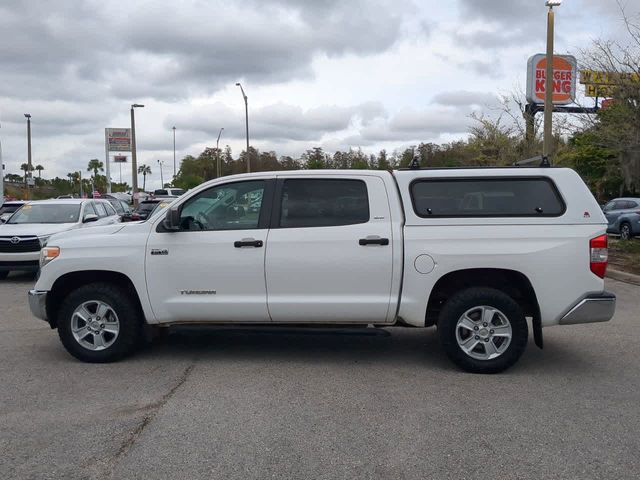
(95, 325)
(625, 233)
(483, 332)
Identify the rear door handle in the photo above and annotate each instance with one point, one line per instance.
(248, 242)
(373, 241)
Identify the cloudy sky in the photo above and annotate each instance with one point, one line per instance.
(367, 74)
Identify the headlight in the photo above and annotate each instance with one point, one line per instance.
(47, 254)
(44, 240)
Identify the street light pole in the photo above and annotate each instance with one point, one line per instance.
(218, 153)
(548, 83)
(134, 158)
(28, 175)
(246, 116)
(161, 177)
(174, 152)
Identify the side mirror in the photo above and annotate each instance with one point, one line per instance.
(3, 220)
(89, 217)
(172, 219)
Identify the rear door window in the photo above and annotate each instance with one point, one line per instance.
(486, 197)
(100, 209)
(323, 203)
(109, 208)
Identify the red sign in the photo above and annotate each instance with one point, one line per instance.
(563, 81)
(607, 103)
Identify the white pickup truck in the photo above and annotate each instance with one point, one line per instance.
(476, 252)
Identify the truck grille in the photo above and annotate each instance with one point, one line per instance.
(18, 244)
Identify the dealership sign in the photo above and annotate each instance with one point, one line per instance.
(565, 72)
(120, 159)
(118, 139)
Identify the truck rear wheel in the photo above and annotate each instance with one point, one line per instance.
(99, 323)
(483, 330)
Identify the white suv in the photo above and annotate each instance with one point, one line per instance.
(27, 230)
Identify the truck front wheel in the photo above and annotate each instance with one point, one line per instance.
(483, 330)
(99, 323)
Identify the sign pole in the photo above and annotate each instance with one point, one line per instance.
(548, 90)
(106, 155)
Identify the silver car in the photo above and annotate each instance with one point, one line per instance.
(623, 215)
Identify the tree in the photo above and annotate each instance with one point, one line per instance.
(618, 128)
(598, 166)
(95, 165)
(25, 167)
(144, 170)
(315, 158)
(39, 168)
(493, 143)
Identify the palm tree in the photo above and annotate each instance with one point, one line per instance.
(25, 168)
(39, 168)
(144, 170)
(95, 165)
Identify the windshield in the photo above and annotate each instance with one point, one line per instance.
(47, 213)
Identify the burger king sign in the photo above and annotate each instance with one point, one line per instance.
(565, 72)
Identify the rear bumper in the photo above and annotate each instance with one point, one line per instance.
(38, 304)
(591, 309)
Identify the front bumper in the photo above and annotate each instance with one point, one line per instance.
(38, 304)
(593, 308)
(22, 266)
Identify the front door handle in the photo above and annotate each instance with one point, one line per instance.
(248, 242)
(373, 241)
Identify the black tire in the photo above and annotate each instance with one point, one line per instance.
(469, 299)
(625, 231)
(3, 275)
(128, 314)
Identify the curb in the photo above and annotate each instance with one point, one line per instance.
(623, 276)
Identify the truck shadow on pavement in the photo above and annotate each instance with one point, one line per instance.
(401, 347)
(305, 345)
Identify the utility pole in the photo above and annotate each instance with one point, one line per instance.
(29, 164)
(246, 116)
(106, 159)
(134, 158)
(174, 152)
(218, 154)
(548, 84)
(161, 177)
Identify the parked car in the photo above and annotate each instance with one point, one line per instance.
(122, 208)
(7, 209)
(344, 248)
(168, 192)
(147, 207)
(28, 229)
(623, 215)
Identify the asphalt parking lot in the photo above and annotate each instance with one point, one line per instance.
(244, 404)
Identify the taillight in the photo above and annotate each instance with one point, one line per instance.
(599, 252)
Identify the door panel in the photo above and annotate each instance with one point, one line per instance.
(332, 273)
(213, 269)
(204, 277)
